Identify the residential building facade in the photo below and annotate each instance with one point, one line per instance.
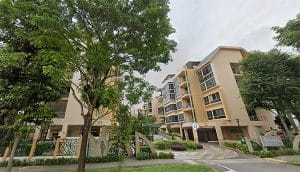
(207, 95)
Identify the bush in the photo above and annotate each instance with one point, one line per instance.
(44, 148)
(199, 146)
(166, 144)
(163, 155)
(143, 156)
(61, 161)
(162, 145)
(178, 147)
(23, 148)
(239, 146)
(145, 149)
(153, 156)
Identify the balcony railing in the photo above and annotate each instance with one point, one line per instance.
(257, 118)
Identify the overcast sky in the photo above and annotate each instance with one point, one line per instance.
(202, 25)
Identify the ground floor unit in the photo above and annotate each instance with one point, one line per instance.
(217, 133)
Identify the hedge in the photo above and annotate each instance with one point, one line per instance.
(166, 144)
(147, 155)
(263, 153)
(60, 161)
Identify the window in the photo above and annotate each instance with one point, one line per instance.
(59, 108)
(209, 115)
(180, 117)
(160, 110)
(215, 97)
(206, 100)
(219, 113)
(179, 105)
(207, 79)
(252, 115)
(236, 69)
(170, 107)
(216, 114)
(238, 82)
(173, 118)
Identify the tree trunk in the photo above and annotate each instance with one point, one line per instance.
(13, 151)
(86, 129)
(291, 119)
(285, 127)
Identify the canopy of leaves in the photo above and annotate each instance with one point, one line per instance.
(270, 81)
(289, 35)
(24, 86)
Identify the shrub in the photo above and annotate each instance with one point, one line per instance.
(163, 155)
(44, 148)
(199, 146)
(178, 147)
(239, 146)
(23, 148)
(153, 156)
(162, 145)
(166, 144)
(145, 149)
(61, 161)
(143, 156)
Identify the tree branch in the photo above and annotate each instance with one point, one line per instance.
(78, 100)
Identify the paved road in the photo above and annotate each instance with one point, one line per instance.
(225, 160)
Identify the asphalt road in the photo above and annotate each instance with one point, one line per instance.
(251, 165)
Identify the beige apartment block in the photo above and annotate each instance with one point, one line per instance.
(207, 93)
(69, 122)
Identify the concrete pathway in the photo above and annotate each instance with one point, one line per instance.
(209, 152)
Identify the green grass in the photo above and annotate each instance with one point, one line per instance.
(295, 162)
(159, 168)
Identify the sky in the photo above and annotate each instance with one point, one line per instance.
(203, 25)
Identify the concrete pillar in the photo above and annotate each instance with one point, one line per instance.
(219, 135)
(55, 153)
(64, 131)
(181, 133)
(186, 134)
(34, 142)
(252, 132)
(6, 154)
(195, 134)
(78, 147)
(49, 133)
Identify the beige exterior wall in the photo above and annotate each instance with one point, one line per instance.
(237, 122)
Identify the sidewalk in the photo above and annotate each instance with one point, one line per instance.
(64, 168)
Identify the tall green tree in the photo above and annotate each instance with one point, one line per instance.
(101, 40)
(289, 35)
(24, 87)
(270, 82)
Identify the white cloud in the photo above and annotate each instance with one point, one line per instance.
(202, 25)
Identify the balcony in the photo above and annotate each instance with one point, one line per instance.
(188, 107)
(257, 118)
(185, 95)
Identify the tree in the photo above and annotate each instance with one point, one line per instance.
(289, 35)
(102, 41)
(270, 82)
(24, 87)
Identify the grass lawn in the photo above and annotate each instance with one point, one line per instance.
(159, 168)
(295, 162)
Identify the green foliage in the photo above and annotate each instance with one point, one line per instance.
(142, 123)
(120, 131)
(239, 146)
(44, 148)
(275, 153)
(289, 35)
(145, 149)
(23, 148)
(61, 161)
(166, 144)
(147, 155)
(143, 156)
(271, 81)
(164, 155)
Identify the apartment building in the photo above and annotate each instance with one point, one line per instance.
(69, 122)
(207, 93)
